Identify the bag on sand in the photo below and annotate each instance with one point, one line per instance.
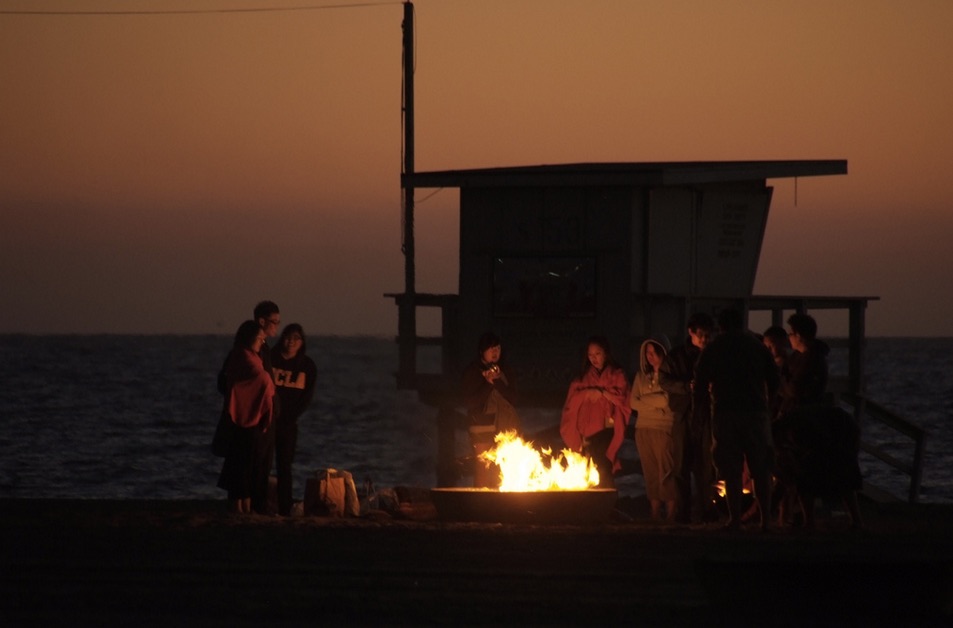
(331, 493)
(222, 435)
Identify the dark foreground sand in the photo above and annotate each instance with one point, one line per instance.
(175, 563)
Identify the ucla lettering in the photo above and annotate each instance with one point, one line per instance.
(287, 379)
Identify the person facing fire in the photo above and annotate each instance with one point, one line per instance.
(490, 396)
(691, 431)
(741, 376)
(596, 410)
(653, 430)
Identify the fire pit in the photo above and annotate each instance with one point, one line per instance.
(486, 505)
(535, 487)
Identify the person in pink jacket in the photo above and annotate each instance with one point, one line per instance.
(249, 402)
(596, 410)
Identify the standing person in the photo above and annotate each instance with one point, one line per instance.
(653, 431)
(249, 402)
(294, 375)
(817, 444)
(741, 376)
(775, 338)
(805, 379)
(268, 317)
(596, 410)
(691, 431)
(490, 396)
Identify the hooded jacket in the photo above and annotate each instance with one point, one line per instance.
(647, 397)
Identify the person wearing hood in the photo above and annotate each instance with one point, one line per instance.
(653, 430)
(294, 374)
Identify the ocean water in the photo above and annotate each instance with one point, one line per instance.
(131, 416)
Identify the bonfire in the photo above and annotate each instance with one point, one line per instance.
(524, 468)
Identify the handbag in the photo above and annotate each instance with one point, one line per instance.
(222, 437)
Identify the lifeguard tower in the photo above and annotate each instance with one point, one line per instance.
(551, 254)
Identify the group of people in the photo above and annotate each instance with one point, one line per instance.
(266, 389)
(729, 405)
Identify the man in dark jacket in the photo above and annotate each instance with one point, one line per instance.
(741, 376)
(691, 431)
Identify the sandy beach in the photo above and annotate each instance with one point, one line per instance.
(111, 562)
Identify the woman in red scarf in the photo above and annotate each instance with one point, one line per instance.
(249, 398)
(596, 410)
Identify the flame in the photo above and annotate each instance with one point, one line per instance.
(722, 491)
(523, 468)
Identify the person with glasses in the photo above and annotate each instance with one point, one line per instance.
(805, 379)
(269, 319)
(691, 430)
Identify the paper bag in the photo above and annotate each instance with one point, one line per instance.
(331, 493)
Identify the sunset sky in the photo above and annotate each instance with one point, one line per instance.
(163, 172)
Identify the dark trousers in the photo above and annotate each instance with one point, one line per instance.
(259, 496)
(596, 447)
(696, 470)
(286, 440)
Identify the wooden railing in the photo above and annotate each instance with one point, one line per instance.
(866, 409)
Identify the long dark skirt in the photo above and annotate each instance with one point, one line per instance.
(246, 465)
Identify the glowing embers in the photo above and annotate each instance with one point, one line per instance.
(524, 468)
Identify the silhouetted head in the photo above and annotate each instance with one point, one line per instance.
(489, 347)
(803, 325)
(248, 334)
(700, 328)
(268, 317)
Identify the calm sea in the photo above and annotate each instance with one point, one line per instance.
(131, 416)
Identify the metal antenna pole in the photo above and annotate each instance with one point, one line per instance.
(407, 310)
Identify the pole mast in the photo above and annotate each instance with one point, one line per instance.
(407, 310)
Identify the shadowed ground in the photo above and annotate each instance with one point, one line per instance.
(175, 563)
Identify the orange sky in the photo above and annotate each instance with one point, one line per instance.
(162, 173)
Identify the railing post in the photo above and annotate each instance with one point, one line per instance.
(917, 475)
